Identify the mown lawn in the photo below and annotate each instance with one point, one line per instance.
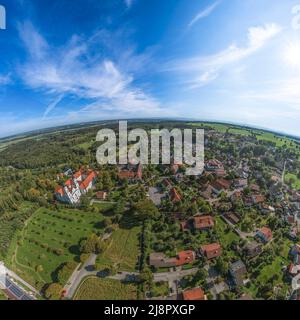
(94, 288)
(46, 232)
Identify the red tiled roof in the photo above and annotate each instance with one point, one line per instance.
(59, 190)
(211, 247)
(92, 175)
(203, 222)
(125, 174)
(101, 195)
(175, 196)
(214, 163)
(194, 294)
(185, 257)
(78, 174)
(221, 184)
(266, 232)
(212, 251)
(259, 198)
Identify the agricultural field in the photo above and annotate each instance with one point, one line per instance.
(105, 289)
(50, 239)
(260, 134)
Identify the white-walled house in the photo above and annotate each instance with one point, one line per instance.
(72, 190)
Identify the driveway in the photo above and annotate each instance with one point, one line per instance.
(242, 235)
(79, 274)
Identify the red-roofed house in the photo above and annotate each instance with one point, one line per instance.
(174, 195)
(185, 257)
(220, 185)
(213, 165)
(72, 190)
(211, 251)
(257, 199)
(101, 195)
(131, 173)
(265, 234)
(194, 294)
(203, 222)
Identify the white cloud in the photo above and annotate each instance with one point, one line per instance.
(72, 71)
(128, 3)
(203, 69)
(204, 13)
(5, 79)
(284, 91)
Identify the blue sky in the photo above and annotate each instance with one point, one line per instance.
(68, 61)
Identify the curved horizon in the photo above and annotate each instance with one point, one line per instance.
(129, 59)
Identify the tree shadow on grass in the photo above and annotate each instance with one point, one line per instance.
(75, 250)
(129, 221)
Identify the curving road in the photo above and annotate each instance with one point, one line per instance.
(79, 274)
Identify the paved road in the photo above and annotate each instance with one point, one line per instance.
(173, 275)
(79, 274)
(125, 276)
(101, 202)
(283, 173)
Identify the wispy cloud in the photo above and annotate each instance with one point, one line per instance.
(52, 105)
(129, 3)
(204, 13)
(5, 79)
(73, 70)
(201, 70)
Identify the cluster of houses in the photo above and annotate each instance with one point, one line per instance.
(77, 184)
(160, 260)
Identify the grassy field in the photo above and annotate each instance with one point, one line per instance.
(289, 176)
(160, 289)
(105, 289)
(123, 250)
(260, 134)
(2, 296)
(279, 141)
(226, 238)
(45, 232)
